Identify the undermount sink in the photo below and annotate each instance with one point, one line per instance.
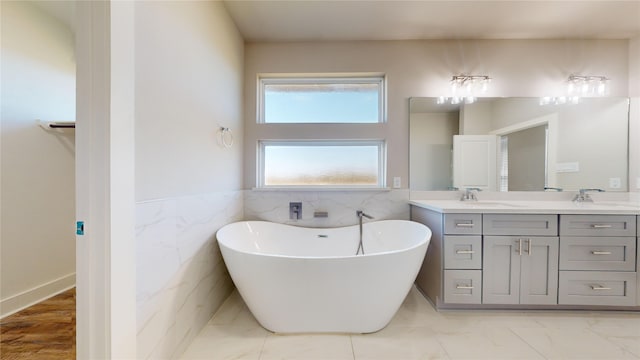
(627, 206)
(489, 204)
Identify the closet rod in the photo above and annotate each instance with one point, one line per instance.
(62, 126)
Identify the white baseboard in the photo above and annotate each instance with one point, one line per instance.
(23, 300)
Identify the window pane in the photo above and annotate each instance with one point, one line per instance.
(322, 103)
(318, 164)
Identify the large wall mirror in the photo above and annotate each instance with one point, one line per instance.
(517, 144)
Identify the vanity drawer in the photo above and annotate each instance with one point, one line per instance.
(597, 253)
(463, 286)
(520, 224)
(462, 252)
(463, 224)
(597, 288)
(598, 225)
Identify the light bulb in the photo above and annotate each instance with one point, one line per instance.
(485, 86)
(570, 88)
(584, 89)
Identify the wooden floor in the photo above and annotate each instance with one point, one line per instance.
(46, 330)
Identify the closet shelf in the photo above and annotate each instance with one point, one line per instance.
(48, 125)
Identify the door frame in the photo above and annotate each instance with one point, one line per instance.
(551, 146)
(105, 188)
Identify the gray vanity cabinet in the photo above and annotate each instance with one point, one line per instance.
(462, 258)
(520, 270)
(520, 260)
(598, 260)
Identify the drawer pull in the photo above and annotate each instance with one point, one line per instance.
(601, 252)
(464, 287)
(599, 287)
(466, 225)
(601, 226)
(465, 252)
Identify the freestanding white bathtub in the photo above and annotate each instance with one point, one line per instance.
(299, 280)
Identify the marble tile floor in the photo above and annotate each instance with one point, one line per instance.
(419, 332)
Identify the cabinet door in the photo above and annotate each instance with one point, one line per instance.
(501, 269)
(539, 271)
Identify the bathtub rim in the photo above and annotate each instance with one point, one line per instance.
(426, 240)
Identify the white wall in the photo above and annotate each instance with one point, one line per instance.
(475, 118)
(634, 126)
(189, 72)
(38, 174)
(424, 68)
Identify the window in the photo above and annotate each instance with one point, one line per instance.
(321, 100)
(320, 132)
(322, 163)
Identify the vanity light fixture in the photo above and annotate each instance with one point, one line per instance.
(579, 86)
(466, 88)
(587, 85)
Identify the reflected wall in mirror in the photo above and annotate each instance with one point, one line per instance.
(517, 144)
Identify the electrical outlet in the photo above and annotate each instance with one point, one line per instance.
(397, 182)
(615, 183)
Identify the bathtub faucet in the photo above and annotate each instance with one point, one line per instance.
(360, 214)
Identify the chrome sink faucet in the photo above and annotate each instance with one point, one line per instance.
(469, 194)
(583, 196)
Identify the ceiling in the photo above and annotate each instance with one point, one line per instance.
(325, 20)
(313, 20)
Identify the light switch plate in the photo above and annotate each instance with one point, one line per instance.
(397, 182)
(614, 183)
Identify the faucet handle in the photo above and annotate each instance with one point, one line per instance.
(469, 195)
(583, 196)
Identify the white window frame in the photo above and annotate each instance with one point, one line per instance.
(378, 79)
(382, 161)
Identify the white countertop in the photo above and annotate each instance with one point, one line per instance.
(529, 207)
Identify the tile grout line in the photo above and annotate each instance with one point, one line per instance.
(526, 342)
(444, 348)
(264, 341)
(353, 351)
(622, 348)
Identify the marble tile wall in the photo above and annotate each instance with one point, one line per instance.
(181, 278)
(340, 205)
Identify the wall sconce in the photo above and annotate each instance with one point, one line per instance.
(579, 85)
(466, 88)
